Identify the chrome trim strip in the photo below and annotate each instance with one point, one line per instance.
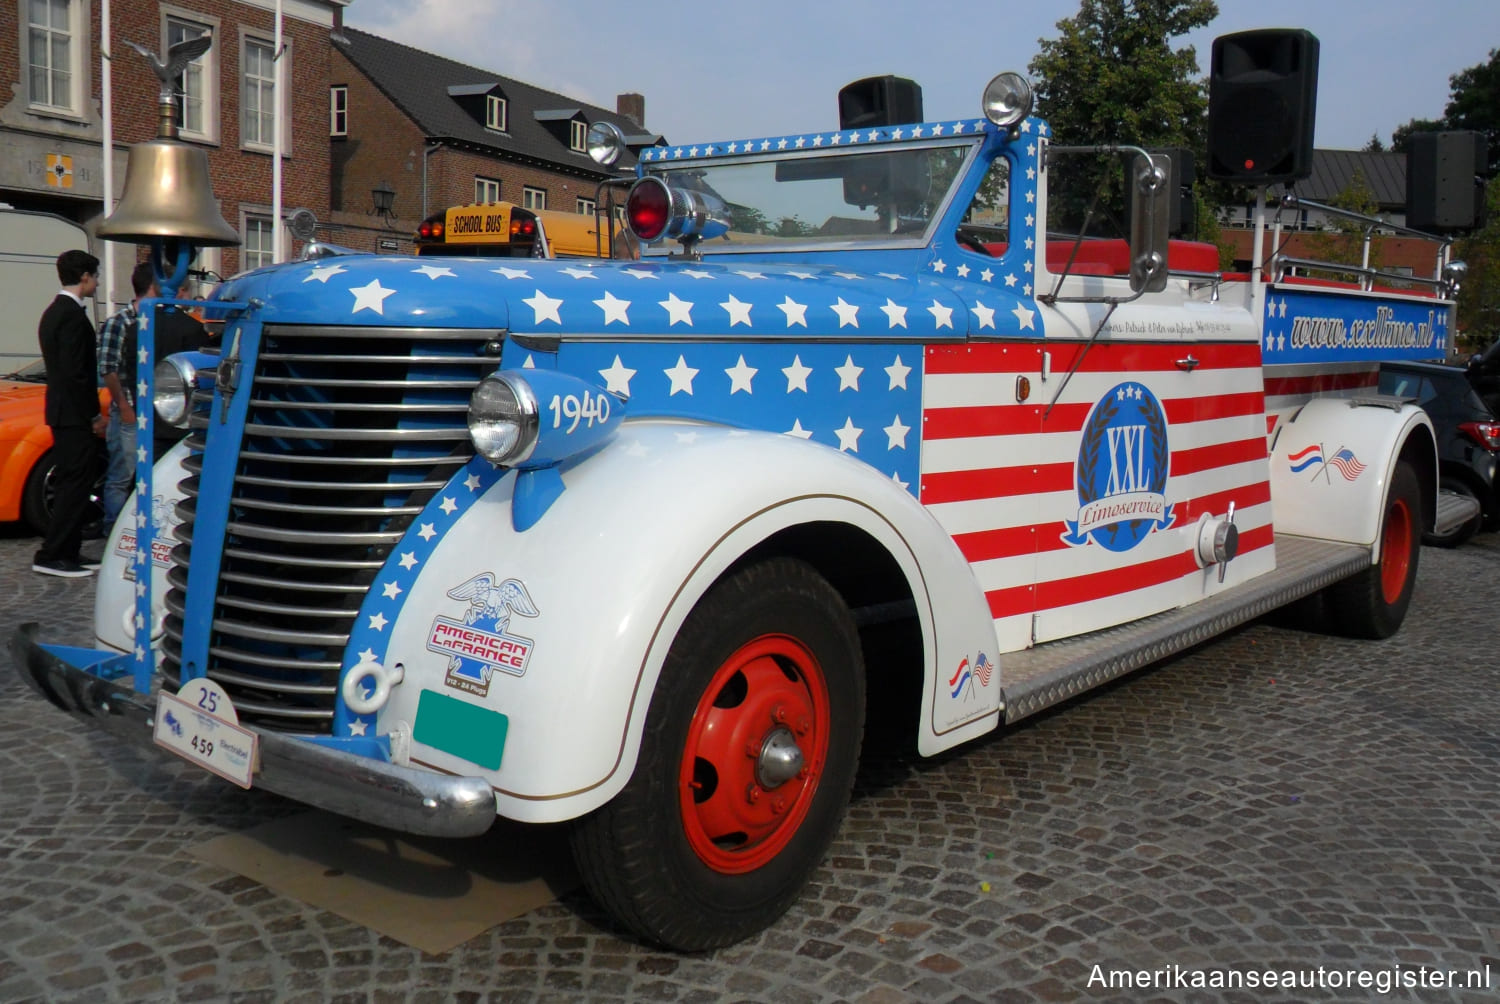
(357, 435)
(311, 536)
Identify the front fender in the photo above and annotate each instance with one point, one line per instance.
(1331, 464)
(595, 591)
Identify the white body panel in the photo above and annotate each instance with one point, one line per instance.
(644, 528)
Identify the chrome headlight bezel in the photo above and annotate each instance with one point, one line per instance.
(503, 419)
(1007, 99)
(173, 381)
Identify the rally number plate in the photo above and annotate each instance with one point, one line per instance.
(199, 724)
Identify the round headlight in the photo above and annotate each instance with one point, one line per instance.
(605, 141)
(173, 394)
(503, 420)
(1007, 99)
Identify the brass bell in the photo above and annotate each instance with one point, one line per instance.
(168, 193)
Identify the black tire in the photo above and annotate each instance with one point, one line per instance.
(37, 494)
(769, 651)
(1372, 604)
(1461, 534)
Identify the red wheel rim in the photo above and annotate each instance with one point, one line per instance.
(1395, 551)
(771, 689)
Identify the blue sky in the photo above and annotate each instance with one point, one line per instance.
(717, 70)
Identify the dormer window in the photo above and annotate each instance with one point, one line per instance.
(496, 112)
(580, 135)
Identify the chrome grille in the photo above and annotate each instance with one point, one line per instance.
(349, 432)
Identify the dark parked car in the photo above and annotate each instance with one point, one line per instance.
(1468, 437)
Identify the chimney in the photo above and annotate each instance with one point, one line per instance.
(633, 107)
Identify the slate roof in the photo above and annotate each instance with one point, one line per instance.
(424, 87)
(1332, 170)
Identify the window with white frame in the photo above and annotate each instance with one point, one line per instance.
(54, 51)
(338, 110)
(194, 88)
(259, 248)
(584, 206)
(533, 198)
(496, 112)
(258, 94)
(580, 135)
(486, 189)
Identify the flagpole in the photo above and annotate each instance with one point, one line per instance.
(277, 254)
(108, 150)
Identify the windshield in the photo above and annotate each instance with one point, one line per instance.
(840, 198)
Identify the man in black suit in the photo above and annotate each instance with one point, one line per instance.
(72, 409)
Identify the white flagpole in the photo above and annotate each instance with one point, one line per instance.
(277, 239)
(108, 150)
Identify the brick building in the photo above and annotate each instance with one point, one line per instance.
(51, 122)
(439, 133)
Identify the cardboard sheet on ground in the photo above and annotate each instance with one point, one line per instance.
(427, 893)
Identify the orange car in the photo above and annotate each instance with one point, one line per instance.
(26, 467)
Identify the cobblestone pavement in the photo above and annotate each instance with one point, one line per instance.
(1273, 800)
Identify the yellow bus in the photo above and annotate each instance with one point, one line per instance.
(506, 230)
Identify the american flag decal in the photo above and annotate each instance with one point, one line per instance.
(1347, 464)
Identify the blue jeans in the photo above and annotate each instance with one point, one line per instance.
(119, 477)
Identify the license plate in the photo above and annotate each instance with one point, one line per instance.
(199, 724)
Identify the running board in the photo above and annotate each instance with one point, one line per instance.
(1453, 511)
(1039, 677)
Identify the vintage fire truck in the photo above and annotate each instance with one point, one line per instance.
(608, 542)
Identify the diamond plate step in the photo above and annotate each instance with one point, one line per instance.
(1049, 674)
(1454, 510)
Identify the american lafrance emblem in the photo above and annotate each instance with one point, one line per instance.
(1121, 477)
(482, 644)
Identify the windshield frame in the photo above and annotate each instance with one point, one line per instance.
(974, 142)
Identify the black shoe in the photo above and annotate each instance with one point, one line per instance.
(61, 567)
(94, 530)
(92, 564)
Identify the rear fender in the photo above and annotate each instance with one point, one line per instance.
(595, 591)
(1332, 462)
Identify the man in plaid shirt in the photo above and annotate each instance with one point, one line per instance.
(117, 357)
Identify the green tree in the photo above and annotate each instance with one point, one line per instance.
(1374, 145)
(1112, 76)
(1342, 240)
(1474, 103)
(1401, 138)
(1479, 298)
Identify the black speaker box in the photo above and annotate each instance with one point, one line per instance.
(1262, 101)
(1441, 193)
(879, 101)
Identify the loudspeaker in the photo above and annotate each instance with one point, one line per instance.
(879, 101)
(1262, 100)
(1441, 193)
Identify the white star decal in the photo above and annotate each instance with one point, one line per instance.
(677, 310)
(617, 378)
(940, 266)
(544, 307)
(322, 273)
(1010, 280)
(848, 437)
(850, 275)
(896, 314)
(941, 314)
(357, 727)
(963, 271)
(140, 454)
(370, 297)
(512, 273)
(798, 431)
(435, 271)
(408, 560)
(1025, 317)
(802, 275)
(391, 590)
(426, 532)
(740, 376)
(530, 363)
(681, 376)
(614, 308)
(796, 375)
(749, 275)
(579, 273)
(739, 313)
(985, 314)
(449, 506)
(896, 434)
(848, 314)
(986, 275)
(796, 313)
(639, 273)
(472, 482)
(141, 355)
(849, 374)
(378, 622)
(697, 273)
(1281, 310)
(897, 372)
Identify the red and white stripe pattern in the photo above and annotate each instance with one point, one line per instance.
(1000, 477)
(1290, 387)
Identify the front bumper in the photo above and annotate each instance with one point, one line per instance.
(386, 794)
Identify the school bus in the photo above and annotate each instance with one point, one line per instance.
(506, 230)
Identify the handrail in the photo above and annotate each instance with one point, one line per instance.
(1291, 200)
(1367, 275)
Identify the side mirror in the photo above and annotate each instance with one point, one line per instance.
(1150, 222)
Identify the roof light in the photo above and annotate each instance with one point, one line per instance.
(605, 142)
(1007, 99)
